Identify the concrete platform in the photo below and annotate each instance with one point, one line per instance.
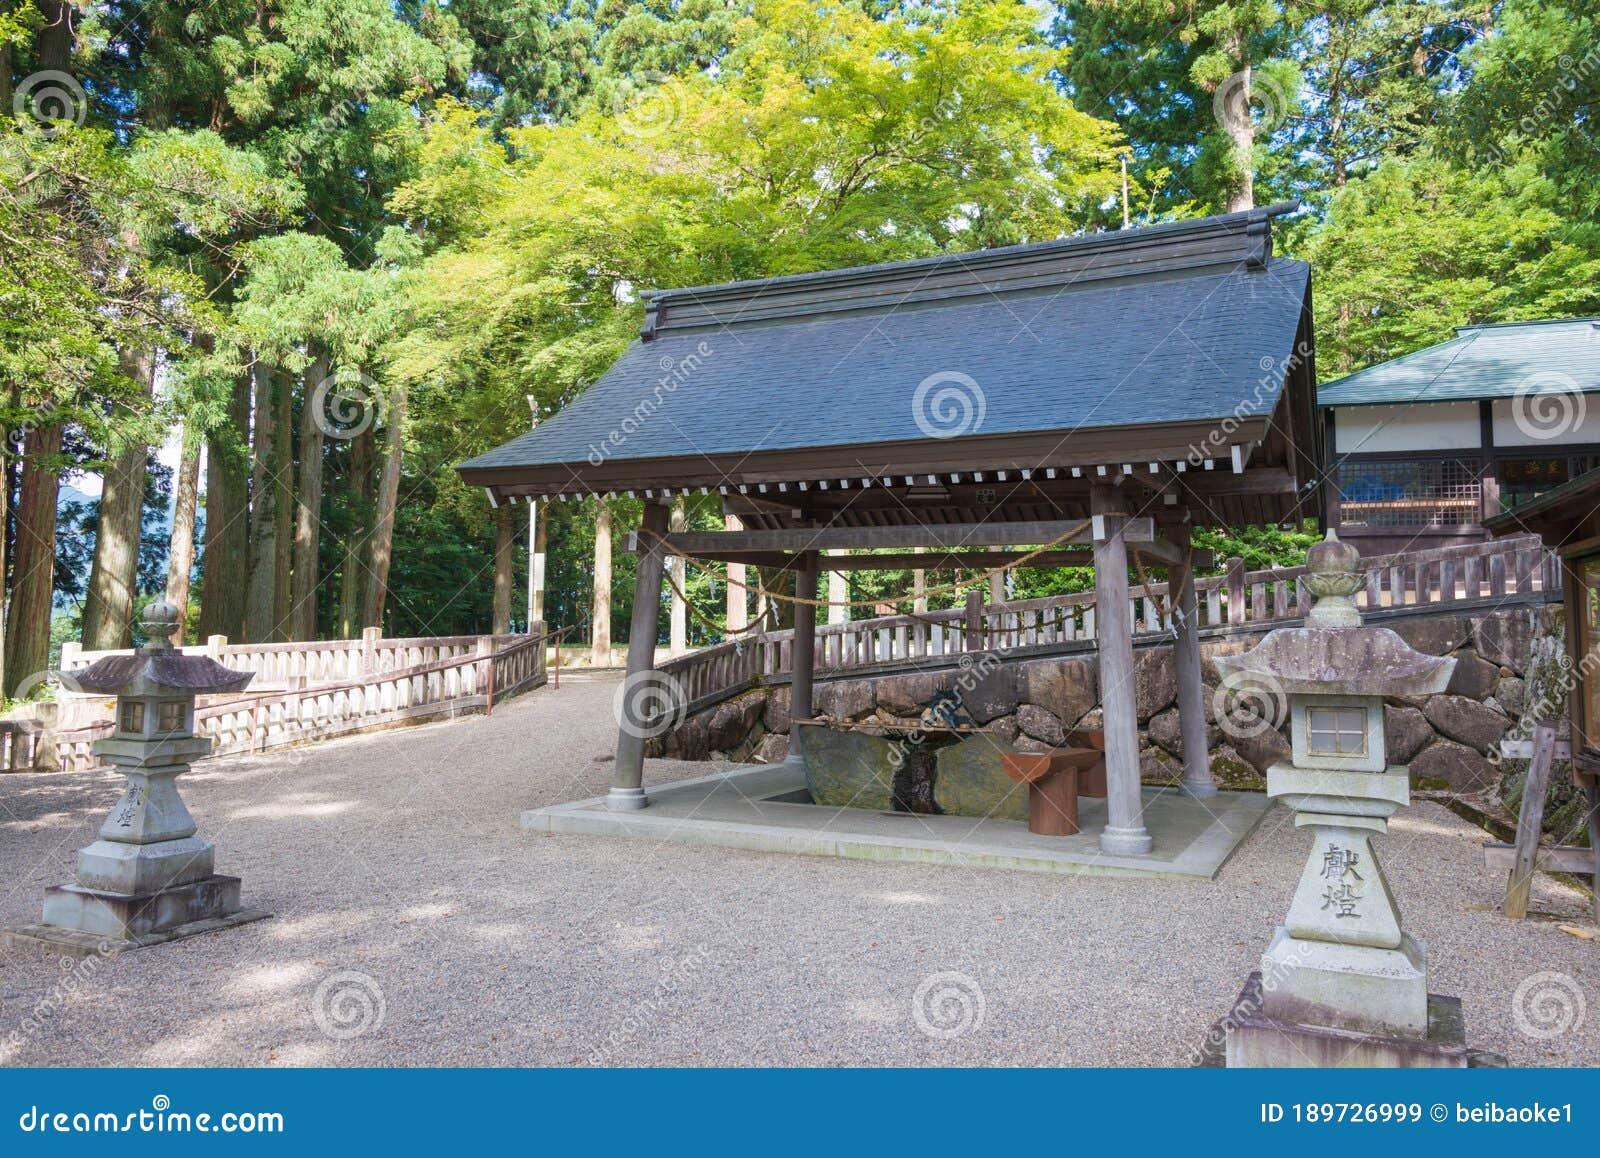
(765, 808)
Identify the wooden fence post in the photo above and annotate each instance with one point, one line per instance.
(1236, 591)
(45, 756)
(369, 649)
(1530, 819)
(486, 650)
(974, 620)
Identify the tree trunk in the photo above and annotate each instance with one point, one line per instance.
(541, 540)
(114, 574)
(838, 591)
(225, 563)
(678, 568)
(7, 467)
(260, 622)
(738, 597)
(5, 66)
(33, 573)
(180, 547)
(505, 540)
(56, 36)
(308, 509)
(382, 547)
(355, 548)
(1236, 122)
(283, 506)
(600, 642)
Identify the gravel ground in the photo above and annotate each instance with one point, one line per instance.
(417, 924)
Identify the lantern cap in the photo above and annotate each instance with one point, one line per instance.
(158, 668)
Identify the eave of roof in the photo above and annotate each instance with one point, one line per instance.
(1481, 362)
(1549, 508)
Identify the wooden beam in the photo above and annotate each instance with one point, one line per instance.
(1552, 858)
(961, 561)
(1523, 749)
(905, 561)
(1255, 480)
(702, 544)
(1161, 551)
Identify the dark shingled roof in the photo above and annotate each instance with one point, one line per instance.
(1481, 362)
(1186, 323)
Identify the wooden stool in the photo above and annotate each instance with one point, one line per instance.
(1055, 780)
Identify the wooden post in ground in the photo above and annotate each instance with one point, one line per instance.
(1125, 833)
(974, 620)
(1197, 779)
(1530, 819)
(803, 658)
(1591, 789)
(805, 641)
(639, 699)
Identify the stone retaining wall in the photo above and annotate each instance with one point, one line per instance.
(1508, 661)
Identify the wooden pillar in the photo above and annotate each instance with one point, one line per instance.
(1592, 796)
(804, 658)
(805, 640)
(1125, 832)
(1197, 779)
(639, 698)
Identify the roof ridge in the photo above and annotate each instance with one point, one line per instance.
(1238, 239)
(1593, 320)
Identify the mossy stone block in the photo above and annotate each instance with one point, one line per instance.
(848, 769)
(971, 781)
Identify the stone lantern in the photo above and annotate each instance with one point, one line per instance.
(1342, 983)
(148, 878)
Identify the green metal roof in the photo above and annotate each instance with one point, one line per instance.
(1493, 361)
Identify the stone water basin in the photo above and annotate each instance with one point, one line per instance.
(855, 766)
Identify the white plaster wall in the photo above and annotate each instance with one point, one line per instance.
(1560, 418)
(1416, 426)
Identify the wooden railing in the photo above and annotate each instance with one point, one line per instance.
(436, 686)
(1519, 569)
(281, 664)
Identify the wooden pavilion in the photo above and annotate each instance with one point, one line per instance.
(1100, 396)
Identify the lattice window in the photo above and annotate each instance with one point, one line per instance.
(1422, 493)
